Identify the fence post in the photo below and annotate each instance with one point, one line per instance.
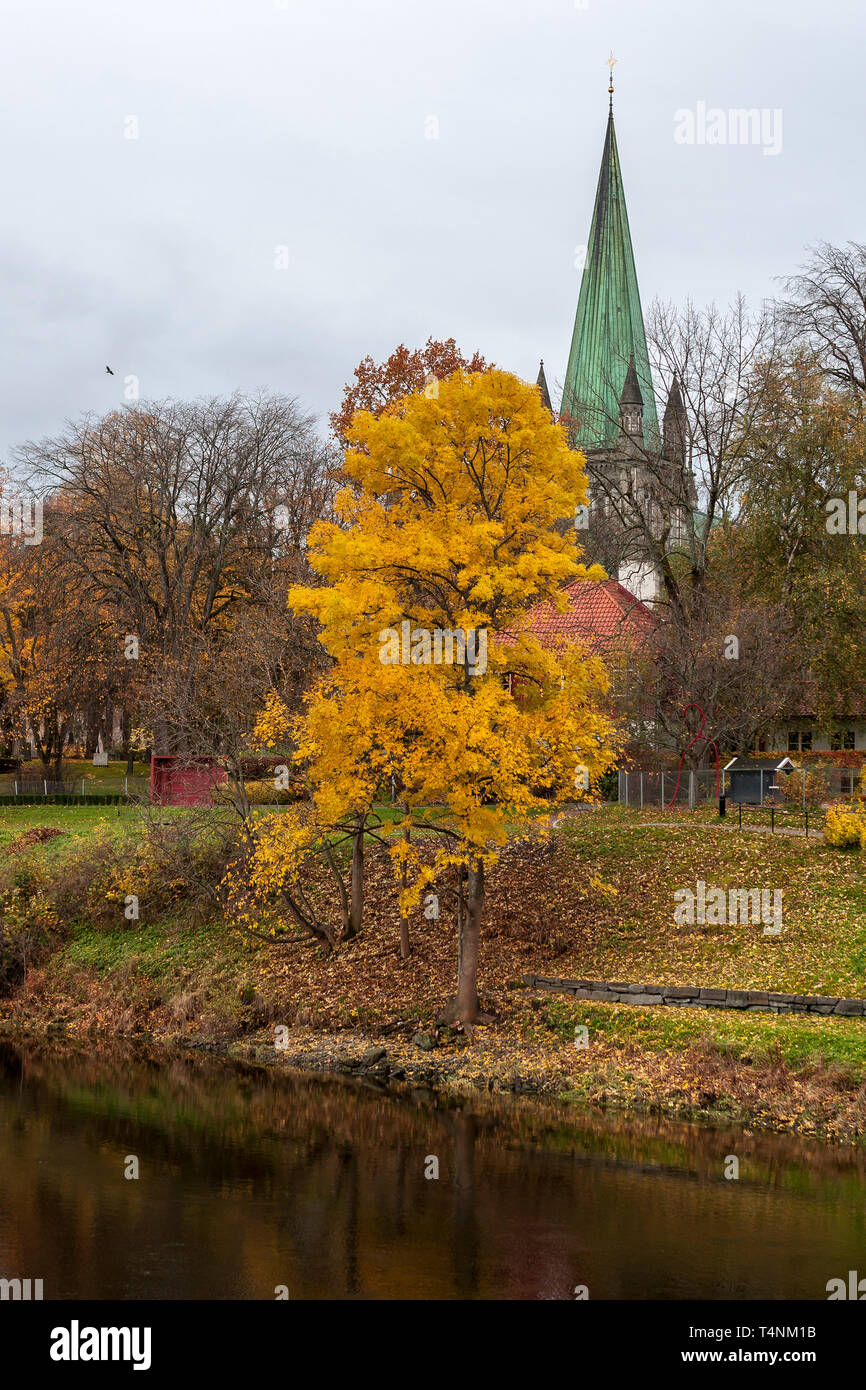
(691, 791)
(663, 791)
(772, 818)
(126, 786)
(626, 789)
(44, 786)
(804, 788)
(641, 788)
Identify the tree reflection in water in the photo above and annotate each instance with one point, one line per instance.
(251, 1179)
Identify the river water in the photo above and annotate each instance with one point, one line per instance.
(251, 1182)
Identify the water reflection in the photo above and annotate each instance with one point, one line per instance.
(249, 1180)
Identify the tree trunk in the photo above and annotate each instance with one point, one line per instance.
(461, 905)
(341, 890)
(356, 891)
(319, 930)
(126, 735)
(57, 760)
(404, 916)
(404, 937)
(466, 1003)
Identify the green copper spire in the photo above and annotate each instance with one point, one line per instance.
(608, 327)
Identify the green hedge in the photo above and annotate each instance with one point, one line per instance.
(62, 799)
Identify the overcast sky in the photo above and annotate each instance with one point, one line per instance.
(307, 124)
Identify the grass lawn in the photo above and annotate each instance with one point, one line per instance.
(607, 903)
(822, 945)
(74, 820)
(743, 1036)
(169, 954)
(81, 820)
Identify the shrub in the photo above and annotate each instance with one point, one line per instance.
(181, 860)
(845, 828)
(260, 792)
(608, 787)
(26, 924)
(817, 786)
(80, 886)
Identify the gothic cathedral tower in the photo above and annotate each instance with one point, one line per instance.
(638, 497)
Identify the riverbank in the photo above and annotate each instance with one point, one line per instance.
(597, 903)
(687, 1067)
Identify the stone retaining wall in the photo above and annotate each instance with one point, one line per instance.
(699, 997)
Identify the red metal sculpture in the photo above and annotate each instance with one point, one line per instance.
(711, 743)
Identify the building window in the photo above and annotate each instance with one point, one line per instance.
(793, 741)
(806, 741)
(843, 738)
(799, 742)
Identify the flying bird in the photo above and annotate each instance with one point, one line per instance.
(110, 372)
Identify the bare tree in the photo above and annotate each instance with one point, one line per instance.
(182, 520)
(827, 310)
(741, 663)
(713, 357)
(656, 498)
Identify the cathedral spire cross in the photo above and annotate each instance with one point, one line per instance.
(610, 64)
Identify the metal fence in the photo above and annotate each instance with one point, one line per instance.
(804, 787)
(136, 788)
(781, 818)
(641, 787)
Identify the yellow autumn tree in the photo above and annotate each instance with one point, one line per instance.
(449, 531)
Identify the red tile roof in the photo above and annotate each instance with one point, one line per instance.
(601, 615)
